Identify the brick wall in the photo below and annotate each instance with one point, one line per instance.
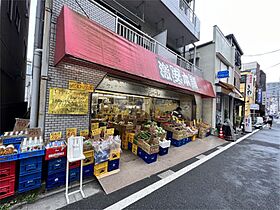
(60, 75)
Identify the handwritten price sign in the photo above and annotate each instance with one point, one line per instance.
(55, 136)
(110, 131)
(84, 133)
(96, 132)
(94, 126)
(34, 132)
(71, 132)
(21, 124)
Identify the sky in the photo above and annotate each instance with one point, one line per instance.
(255, 24)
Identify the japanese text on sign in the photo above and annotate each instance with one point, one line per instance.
(64, 101)
(84, 133)
(71, 132)
(34, 132)
(21, 124)
(110, 131)
(249, 85)
(177, 76)
(55, 136)
(74, 85)
(96, 132)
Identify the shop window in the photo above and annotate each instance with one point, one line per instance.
(17, 20)
(10, 9)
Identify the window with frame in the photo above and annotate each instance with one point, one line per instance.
(10, 9)
(17, 20)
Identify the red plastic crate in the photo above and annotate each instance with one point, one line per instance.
(7, 188)
(7, 170)
(75, 164)
(52, 153)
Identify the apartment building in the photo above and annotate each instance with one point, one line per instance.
(220, 60)
(273, 98)
(131, 47)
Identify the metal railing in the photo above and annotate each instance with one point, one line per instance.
(189, 13)
(133, 34)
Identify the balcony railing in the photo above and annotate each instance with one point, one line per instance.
(138, 37)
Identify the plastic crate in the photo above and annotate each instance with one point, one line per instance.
(163, 151)
(115, 154)
(29, 182)
(88, 171)
(24, 155)
(74, 174)
(169, 135)
(7, 170)
(177, 143)
(149, 158)
(188, 139)
(56, 165)
(75, 164)
(30, 165)
(134, 149)
(125, 145)
(56, 180)
(129, 146)
(101, 169)
(7, 187)
(13, 140)
(113, 164)
(89, 158)
(140, 152)
(57, 152)
(12, 157)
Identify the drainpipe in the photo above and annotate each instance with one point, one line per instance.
(36, 67)
(194, 56)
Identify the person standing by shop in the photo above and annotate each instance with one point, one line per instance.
(269, 121)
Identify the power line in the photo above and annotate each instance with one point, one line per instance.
(272, 66)
(260, 54)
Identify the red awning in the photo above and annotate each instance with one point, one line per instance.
(84, 39)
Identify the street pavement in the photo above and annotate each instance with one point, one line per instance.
(246, 176)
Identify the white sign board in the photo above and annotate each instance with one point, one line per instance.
(75, 148)
(254, 106)
(248, 124)
(264, 98)
(249, 86)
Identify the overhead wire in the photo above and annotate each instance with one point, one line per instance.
(260, 54)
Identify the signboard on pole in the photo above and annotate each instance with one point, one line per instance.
(259, 96)
(223, 74)
(264, 98)
(249, 86)
(254, 106)
(248, 124)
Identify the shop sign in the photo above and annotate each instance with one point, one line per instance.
(21, 124)
(96, 131)
(34, 132)
(248, 124)
(259, 96)
(249, 85)
(264, 98)
(254, 106)
(74, 85)
(55, 136)
(223, 74)
(64, 101)
(177, 76)
(110, 131)
(71, 132)
(84, 132)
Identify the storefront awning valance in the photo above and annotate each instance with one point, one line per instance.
(83, 39)
(230, 90)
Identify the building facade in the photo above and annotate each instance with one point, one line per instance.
(273, 98)
(220, 60)
(14, 37)
(139, 47)
(28, 83)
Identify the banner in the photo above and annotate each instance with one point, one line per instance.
(249, 86)
(64, 101)
(74, 85)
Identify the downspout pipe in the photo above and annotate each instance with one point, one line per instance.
(36, 64)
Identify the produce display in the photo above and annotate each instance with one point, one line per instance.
(32, 144)
(8, 150)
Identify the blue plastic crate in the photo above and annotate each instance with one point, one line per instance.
(188, 140)
(169, 135)
(29, 182)
(129, 146)
(163, 151)
(56, 180)
(30, 165)
(113, 164)
(56, 165)
(88, 171)
(149, 158)
(13, 140)
(74, 174)
(12, 157)
(140, 152)
(177, 143)
(23, 155)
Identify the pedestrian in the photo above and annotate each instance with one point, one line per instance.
(269, 121)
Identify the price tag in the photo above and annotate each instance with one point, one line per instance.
(34, 132)
(21, 124)
(55, 136)
(71, 132)
(94, 126)
(96, 132)
(110, 131)
(84, 132)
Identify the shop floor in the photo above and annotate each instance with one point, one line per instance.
(133, 169)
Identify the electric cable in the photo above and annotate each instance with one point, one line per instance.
(260, 54)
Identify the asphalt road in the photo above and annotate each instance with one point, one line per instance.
(246, 176)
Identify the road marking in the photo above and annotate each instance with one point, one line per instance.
(219, 147)
(157, 185)
(166, 174)
(200, 156)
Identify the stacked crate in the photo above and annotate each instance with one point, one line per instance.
(7, 178)
(88, 164)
